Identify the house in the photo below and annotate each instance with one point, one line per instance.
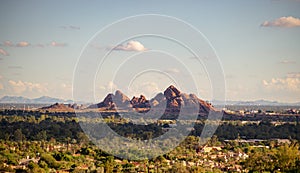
(207, 149)
(26, 161)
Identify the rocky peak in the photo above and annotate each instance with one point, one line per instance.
(112, 100)
(107, 102)
(121, 100)
(140, 102)
(59, 106)
(171, 93)
(120, 96)
(171, 101)
(142, 97)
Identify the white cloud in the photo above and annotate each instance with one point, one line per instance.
(149, 89)
(110, 86)
(61, 90)
(290, 83)
(23, 44)
(56, 44)
(3, 52)
(293, 75)
(131, 46)
(27, 44)
(287, 62)
(20, 87)
(102, 90)
(8, 43)
(286, 22)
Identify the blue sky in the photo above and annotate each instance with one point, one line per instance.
(256, 41)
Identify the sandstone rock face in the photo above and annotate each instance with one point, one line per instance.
(60, 107)
(172, 100)
(171, 93)
(154, 102)
(175, 100)
(159, 99)
(113, 101)
(119, 96)
(140, 102)
(107, 102)
(121, 100)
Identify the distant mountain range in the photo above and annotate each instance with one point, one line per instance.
(136, 100)
(39, 100)
(254, 103)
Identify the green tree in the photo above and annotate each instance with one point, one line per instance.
(82, 138)
(34, 168)
(287, 157)
(42, 135)
(18, 135)
(50, 160)
(43, 164)
(260, 160)
(178, 167)
(109, 164)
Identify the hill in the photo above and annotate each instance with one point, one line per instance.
(60, 107)
(39, 100)
(170, 101)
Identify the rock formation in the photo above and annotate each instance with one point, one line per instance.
(172, 100)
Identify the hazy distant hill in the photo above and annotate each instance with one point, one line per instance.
(255, 103)
(40, 100)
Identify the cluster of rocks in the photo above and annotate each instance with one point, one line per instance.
(172, 100)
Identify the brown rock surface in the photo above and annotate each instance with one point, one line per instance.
(59, 107)
(171, 100)
(140, 102)
(171, 92)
